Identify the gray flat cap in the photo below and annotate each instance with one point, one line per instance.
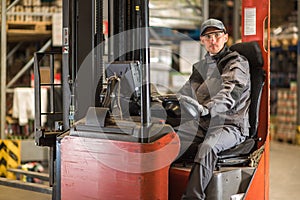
(212, 23)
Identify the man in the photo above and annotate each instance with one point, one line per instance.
(219, 89)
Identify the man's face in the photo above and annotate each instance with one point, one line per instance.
(213, 40)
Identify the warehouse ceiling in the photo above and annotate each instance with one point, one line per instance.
(176, 13)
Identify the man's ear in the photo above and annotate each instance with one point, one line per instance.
(226, 37)
(201, 41)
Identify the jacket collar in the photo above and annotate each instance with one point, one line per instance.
(221, 54)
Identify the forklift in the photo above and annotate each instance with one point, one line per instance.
(113, 135)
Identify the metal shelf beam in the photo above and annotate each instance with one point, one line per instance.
(3, 68)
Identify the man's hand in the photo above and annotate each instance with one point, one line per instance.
(192, 106)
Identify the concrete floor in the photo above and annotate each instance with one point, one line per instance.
(284, 171)
(284, 176)
(9, 193)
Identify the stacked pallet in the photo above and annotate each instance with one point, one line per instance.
(284, 36)
(286, 119)
(284, 41)
(31, 18)
(34, 11)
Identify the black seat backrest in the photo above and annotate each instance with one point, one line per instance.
(252, 52)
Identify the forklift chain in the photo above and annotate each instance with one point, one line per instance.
(255, 156)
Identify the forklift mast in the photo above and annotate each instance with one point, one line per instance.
(84, 58)
(84, 47)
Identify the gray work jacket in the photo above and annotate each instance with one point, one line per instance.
(225, 90)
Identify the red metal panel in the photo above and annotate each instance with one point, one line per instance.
(256, 189)
(178, 182)
(105, 169)
(259, 188)
(260, 33)
(259, 185)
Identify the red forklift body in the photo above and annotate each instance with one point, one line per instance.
(109, 169)
(258, 12)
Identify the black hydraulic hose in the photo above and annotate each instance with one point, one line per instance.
(99, 38)
(145, 93)
(111, 84)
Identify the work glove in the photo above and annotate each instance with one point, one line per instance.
(192, 106)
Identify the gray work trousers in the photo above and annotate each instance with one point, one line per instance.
(216, 139)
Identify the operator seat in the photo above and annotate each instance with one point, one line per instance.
(239, 154)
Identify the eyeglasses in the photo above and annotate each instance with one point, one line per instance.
(216, 35)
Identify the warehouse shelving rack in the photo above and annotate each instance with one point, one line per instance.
(17, 32)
